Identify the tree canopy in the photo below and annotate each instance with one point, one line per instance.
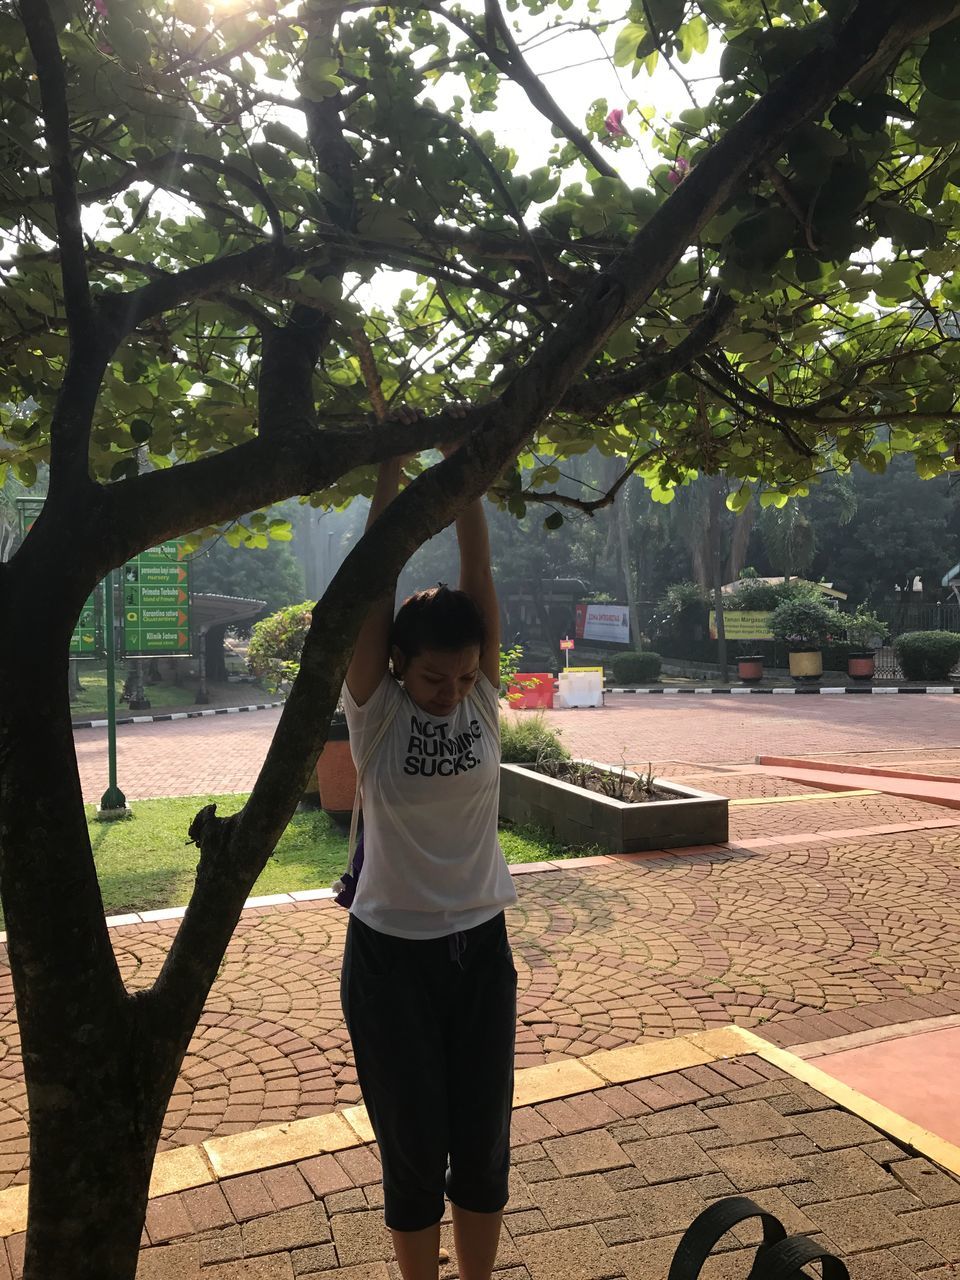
(239, 167)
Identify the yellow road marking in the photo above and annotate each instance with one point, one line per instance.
(813, 795)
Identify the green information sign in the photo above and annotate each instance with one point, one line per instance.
(87, 638)
(156, 602)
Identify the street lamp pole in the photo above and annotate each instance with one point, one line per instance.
(113, 803)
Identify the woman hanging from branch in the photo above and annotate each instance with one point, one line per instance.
(428, 985)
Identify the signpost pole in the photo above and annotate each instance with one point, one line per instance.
(113, 803)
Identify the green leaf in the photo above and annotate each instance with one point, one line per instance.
(902, 225)
(26, 472)
(271, 160)
(739, 500)
(140, 430)
(897, 282)
(940, 65)
(553, 521)
(281, 136)
(625, 49)
(666, 15)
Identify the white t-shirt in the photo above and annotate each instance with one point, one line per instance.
(432, 863)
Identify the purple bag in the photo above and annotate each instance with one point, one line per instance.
(345, 889)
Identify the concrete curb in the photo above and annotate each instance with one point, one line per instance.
(781, 689)
(178, 715)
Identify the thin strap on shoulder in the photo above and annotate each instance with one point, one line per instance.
(377, 738)
(490, 717)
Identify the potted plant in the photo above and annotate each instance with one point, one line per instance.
(336, 772)
(750, 667)
(865, 631)
(804, 626)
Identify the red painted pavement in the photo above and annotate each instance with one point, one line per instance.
(917, 1077)
(945, 791)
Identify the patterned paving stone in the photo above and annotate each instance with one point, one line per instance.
(803, 942)
(596, 1226)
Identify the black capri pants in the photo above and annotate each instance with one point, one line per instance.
(433, 1025)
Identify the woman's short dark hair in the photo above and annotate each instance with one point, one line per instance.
(438, 618)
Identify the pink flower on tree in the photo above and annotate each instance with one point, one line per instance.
(614, 124)
(101, 8)
(679, 171)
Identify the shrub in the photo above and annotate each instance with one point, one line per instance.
(276, 644)
(631, 667)
(755, 595)
(865, 628)
(530, 741)
(927, 655)
(510, 660)
(804, 623)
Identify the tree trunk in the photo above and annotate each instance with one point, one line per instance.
(626, 567)
(716, 530)
(91, 1072)
(75, 686)
(99, 1063)
(216, 658)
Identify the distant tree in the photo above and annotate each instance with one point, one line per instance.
(901, 530)
(272, 573)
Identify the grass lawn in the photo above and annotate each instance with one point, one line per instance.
(93, 697)
(145, 862)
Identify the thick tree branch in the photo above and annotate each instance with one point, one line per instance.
(234, 850)
(285, 384)
(596, 394)
(45, 47)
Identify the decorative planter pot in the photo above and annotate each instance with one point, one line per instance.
(750, 668)
(336, 772)
(806, 664)
(579, 816)
(862, 666)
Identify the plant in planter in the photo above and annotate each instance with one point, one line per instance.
(927, 655)
(583, 803)
(865, 632)
(750, 667)
(336, 772)
(804, 626)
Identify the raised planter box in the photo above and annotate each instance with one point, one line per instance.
(579, 816)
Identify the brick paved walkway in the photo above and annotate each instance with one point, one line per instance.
(224, 753)
(603, 1183)
(608, 953)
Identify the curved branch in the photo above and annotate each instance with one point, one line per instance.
(45, 47)
(514, 64)
(592, 505)
(597, 393)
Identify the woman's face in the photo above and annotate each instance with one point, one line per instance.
(438, 679)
